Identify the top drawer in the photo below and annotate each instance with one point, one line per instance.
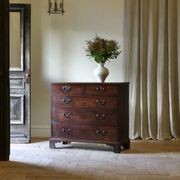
(84, 89)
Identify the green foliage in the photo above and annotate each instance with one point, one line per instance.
(102, 50)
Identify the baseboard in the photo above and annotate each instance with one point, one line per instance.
(40, 131)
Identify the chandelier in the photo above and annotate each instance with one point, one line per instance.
(56, 7)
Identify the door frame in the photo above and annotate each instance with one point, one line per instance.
(4, 82)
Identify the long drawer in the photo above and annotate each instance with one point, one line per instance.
(84, 102)
(81, 89)
(87, 133)
(93, 117)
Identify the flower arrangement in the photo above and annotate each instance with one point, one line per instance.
(102, 50)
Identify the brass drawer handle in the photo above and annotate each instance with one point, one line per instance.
(101, 102)
(97, 131)
(66, 131)
(101, 89)
(100, 116)
(66, 88)
(103, 132)
(100, 132)
(66, 115)
(66, 100)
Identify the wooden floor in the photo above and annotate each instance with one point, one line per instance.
(146, 160)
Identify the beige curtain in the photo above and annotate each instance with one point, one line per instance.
(151, 47)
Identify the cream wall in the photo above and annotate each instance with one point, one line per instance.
(57, 49)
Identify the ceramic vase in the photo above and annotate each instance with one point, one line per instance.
(101, 72)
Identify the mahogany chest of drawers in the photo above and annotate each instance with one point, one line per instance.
(90, 112)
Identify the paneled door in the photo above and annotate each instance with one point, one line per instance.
(20, 18)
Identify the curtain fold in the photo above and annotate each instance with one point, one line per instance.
(152, 68)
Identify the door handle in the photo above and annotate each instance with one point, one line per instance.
(27, 76)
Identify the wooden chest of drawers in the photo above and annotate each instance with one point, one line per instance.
(90, 112)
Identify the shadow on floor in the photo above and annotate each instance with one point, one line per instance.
(22, 171)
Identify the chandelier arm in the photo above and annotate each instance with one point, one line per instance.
(53, 7)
